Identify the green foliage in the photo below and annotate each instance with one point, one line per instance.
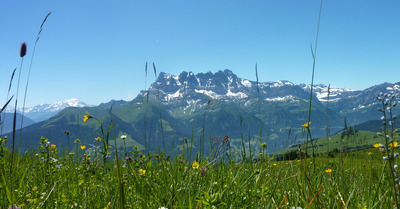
(51, 179)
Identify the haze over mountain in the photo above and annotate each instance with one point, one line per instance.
(45, 111)
(208, 105)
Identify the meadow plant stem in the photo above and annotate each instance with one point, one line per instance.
(7, 101)
(314, 55)
(120, 185)
(259, 106)
(29, 72)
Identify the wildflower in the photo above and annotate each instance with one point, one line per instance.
(369, 153)
(195, 165)
(77, 140)
(86, 117)
(393, 144)
(22, 52)
(123, 137)
(83, 147)
(184, 138)
(142, 171)
(53, 146)
(97, 139)
(203, 171)
(328, 170)
(306, 125)
(376, 145)
(263, 145)
(14, 207)
(162, 208)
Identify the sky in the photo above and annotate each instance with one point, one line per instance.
(96, 51)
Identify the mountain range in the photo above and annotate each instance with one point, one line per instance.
(206, 106)
(45, 111)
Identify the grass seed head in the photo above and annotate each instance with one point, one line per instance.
(22, 51)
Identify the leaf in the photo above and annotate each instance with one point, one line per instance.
(4, 107)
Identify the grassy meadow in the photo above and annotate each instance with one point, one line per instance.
(52, 178)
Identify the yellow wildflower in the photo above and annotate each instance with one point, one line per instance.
(97, 139)
(274, 164)
(53, 146)
(306, 125)
(369, 153)
(142, 171)
(376, 145)
(83, 147)
(195, 165)
(86, 117)
(393, 144)
(263, 145)
(328, 170)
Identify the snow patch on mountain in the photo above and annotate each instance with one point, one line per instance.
(321, 92)
(246, 83)
(282, 99)
(209, 93)
(175, 95)
(239, 95)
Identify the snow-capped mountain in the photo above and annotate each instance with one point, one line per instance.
(56, 107)
(322, 92)
(189, 90)
(44, 111)
(218, 104)
(223, 85)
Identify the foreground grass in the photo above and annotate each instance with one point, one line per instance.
(49, 179)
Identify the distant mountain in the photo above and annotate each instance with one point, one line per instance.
(45, 111)
(329, 93)
(6, 122)
(362, 106)
(206, 106)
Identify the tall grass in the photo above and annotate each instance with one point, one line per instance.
(29, 70)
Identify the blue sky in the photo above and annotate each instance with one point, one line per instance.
(96, 50)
